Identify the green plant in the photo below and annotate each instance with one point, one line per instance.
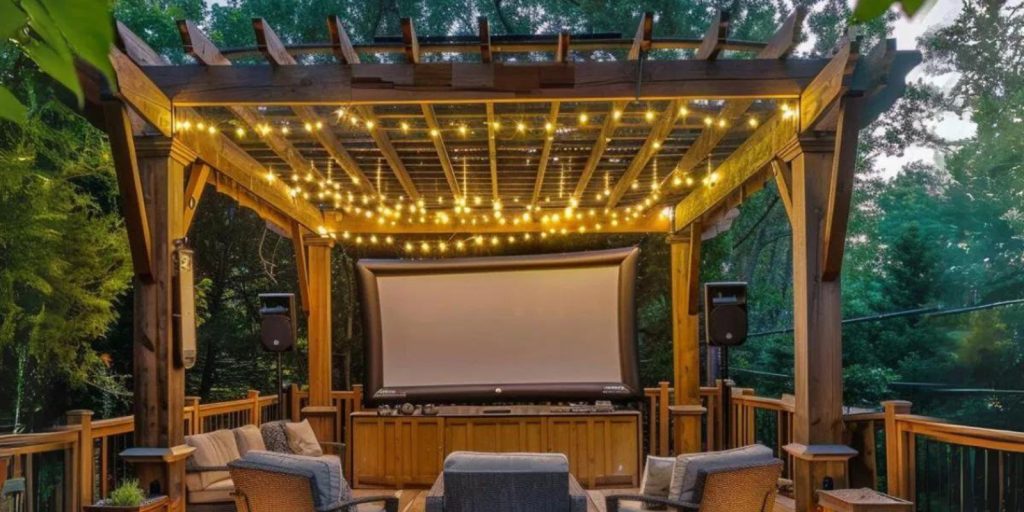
(128, 494)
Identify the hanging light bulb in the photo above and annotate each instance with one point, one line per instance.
(584, 118)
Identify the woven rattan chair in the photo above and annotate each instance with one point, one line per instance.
(745, 488)
(258, 490)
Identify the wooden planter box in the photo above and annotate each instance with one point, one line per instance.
(158, 504)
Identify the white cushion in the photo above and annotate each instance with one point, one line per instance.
(688, 465)
(302, 440)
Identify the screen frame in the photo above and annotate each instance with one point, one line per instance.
(627, 388)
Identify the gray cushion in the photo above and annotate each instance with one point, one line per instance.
(506, 482)
(688, 465)
(327, 482)
(274, 436)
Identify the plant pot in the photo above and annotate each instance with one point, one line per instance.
(154, 504)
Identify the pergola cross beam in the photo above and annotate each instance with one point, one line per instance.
(276, 53)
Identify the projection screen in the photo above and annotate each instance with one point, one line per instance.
(545, 327)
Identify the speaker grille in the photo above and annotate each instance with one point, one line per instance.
(727, 326)
(276, 333)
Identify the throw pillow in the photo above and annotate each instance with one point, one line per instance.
(302, 440)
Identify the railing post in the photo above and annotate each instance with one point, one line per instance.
(663, 418)
(5, 463)
(294, 403)
(81, 468)
(195, 425)
(358, 390)
(897, 461)
(254, 396)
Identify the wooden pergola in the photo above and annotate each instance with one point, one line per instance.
(517, 139)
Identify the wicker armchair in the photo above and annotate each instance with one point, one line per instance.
(269, 490)
(743, 488)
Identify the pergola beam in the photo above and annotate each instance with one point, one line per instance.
(778, 47)
(198, 177)
(437, 137)
(641, 45)
(347, 54)
(484, 29)
(354, 225)
(492, 150)
(129, 185)
(218, 150)
(411, 42)
(199, 46)
(545, 155)
(562, 50)
(446, 82)
(275, 52)
(713, 39)
(770, 138)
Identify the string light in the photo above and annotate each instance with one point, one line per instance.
(584, 118)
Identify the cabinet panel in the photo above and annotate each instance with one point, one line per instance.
(397, 452)
(494, 434)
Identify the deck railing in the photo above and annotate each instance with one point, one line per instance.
(79, 462)
(937, 464)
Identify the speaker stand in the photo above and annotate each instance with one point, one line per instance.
(723, 370)
(280, 389)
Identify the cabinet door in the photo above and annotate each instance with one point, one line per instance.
(397, 452)
(494, 434)
(603, 451)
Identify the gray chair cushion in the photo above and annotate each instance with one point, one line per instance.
(689, 465)
(274, 436)
(324, 473)
(656, 481)
(506, 482)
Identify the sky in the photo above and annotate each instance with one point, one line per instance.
(948, 126)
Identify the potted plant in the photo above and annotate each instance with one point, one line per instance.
(128, 497)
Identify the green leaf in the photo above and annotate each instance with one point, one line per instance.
(10, 108)
(867, 10)
(11, 18)
(58, 63)
(89, 30)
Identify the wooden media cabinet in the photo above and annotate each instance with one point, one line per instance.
(408, 451)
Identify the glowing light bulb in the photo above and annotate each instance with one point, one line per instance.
(405, 127)
(240, 132)
(683, 111)
(434, 132)
(584, 118)
(649, 115)
(616, 114)
(520, 127)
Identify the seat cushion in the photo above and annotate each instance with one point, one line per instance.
(657, 479)
(213, 449)
(302, 439)
(274, 437)
(248, 438)
(485, 462)
(216, 492)
(326, 479)
(688, 465)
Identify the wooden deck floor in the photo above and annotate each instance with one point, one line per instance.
(414, 500)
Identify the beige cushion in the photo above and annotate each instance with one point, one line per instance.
(302, 440)
(248, 437)
(217, 492)
(212, 450)
(688, 465)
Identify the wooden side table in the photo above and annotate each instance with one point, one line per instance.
(861, 500)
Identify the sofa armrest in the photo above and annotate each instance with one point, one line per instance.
(390, 504)
(435, 496)
(612, 502)
(577, 496)
(191, 468)
(336, 448)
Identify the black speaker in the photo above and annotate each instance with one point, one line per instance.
(278, 321)
(725, 313)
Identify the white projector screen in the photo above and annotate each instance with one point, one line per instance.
(498, 329)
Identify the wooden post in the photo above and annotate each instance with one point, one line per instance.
(320, 412)
(294, 402)
(663, 420)
(818, 367)
(159, 452)
(194, 426)
(685, 254)
(896, 453)
(82, 467)
(254, 416)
